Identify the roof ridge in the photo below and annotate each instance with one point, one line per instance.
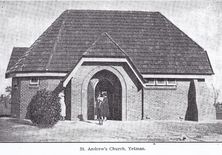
(15, 51)
(19, 64)
(56, 42)
(144, 11)
(127, 56)
(92, 44)
(208, 59)
(181, 31)
(21, 59)
(111, 39)
(115, 43)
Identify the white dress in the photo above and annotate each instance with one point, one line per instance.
(63, 107)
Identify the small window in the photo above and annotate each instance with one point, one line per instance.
(34, 82)
(150, 82)
(171, 82)
(161, 82)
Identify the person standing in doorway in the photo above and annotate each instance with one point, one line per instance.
(99, 103)
(105, 106)
(63, 105)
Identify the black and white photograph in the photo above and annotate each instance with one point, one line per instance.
(111, 72)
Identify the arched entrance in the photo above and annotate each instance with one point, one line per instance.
(105, 81)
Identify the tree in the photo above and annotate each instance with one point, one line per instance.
(216, 93)
(6, 97)
(192, 111)
(8, 90)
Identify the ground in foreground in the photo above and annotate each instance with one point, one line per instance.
(13, 130)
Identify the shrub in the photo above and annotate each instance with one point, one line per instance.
(44, 109)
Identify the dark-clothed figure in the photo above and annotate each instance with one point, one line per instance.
(105, 106)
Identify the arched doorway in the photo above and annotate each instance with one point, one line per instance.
(105, 81)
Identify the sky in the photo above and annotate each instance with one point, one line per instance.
(21, 23)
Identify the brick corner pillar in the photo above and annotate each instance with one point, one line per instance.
(205, 103)
(75, 100)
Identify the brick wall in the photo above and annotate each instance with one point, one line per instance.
(15, 100)
(27, 92)
(171, 104)
(166, 103)
(206, 109)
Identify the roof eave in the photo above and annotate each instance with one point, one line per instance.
(35, 74)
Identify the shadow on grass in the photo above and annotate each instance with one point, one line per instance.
(28, 122)
(90, 122)
(24, 122)
(97, 123)
(5, 116)
(80, 117)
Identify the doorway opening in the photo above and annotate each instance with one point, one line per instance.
(105, 81)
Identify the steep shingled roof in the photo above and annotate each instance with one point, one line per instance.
(17, 53)
(151, 41)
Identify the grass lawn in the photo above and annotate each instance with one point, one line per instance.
(13, 130)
